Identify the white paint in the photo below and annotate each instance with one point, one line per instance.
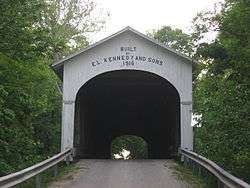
(79, 69)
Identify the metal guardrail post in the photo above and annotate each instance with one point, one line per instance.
(38, 181)
(193, 166)
(67, 162)
(199, 170)
(55, 170)
(185, 161)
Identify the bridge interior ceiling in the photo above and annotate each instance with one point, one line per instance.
(127, 102)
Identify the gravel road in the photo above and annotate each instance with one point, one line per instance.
(121, 174)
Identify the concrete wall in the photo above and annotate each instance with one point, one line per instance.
(140, 55)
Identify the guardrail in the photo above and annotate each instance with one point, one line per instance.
(27, 173)
(224, 179)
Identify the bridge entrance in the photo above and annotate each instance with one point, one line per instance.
(126, 84)
(127, 102)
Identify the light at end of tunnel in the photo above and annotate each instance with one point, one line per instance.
(124, 154)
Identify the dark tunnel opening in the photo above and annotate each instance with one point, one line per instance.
(127, 102)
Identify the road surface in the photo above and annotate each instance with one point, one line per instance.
(121, 174)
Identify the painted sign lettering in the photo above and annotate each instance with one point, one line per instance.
(129, 59)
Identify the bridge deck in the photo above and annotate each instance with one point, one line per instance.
(123, 174)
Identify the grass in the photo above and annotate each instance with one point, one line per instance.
(185, 174)
(62, 171)
(48, 176)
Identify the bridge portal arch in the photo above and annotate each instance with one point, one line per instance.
(127, 102)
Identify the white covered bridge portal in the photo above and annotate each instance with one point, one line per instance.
(126, 84)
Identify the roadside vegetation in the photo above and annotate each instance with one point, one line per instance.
(221, 82)
(32, 35)
(185, 174)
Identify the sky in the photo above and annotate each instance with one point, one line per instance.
(145, 15)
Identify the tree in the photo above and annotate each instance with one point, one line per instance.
(179, 41)
(174, 38)
(67, 23)
(45, 29)
(28, 92)
(134, 144)
(32, 34)
(222, 93)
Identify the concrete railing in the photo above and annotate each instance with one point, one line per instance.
(27, 173)
(224, 179)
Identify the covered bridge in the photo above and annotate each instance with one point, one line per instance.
(126, 84)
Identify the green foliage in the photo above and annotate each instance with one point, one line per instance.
(221, 91)
(136, 145)
(174, 38)
(29, 93)
(222, 94)
(225, 132)
(178, 40)
(45, 28)
(185, 174)
(32, 34)
(19, 39)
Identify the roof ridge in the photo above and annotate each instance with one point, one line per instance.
(127, 28)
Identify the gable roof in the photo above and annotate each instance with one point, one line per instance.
(57, 65)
